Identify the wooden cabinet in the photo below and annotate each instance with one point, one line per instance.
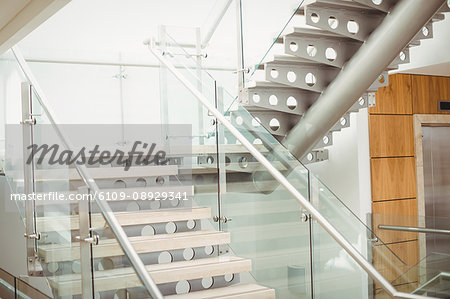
(395, 98)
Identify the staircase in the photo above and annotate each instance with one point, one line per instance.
(312, 58)
(256, 244)
(180, 248)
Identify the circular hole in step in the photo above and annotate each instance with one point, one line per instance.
(309, 157)
(343, 121)
(257, 141)
(325, 140)
(352, 27)
(315, 18)
(377, 2)
(119, 184)
(171, 227)
(425, 31)
(76, 267)
(188, 254)
(255, 122)
(274, 73)
(141, 182)
(381, 79)
(239, 120)
(310, 79)
(209, 249)
(160, 180)
(210, 160)
(273, 100)
(165, 257)
(148, 230)
(155, 204)
(402, 56)
(105, 264)
(361, 101)
(227, 161)
(183, 287)
(291, 76)
(256, 98)
(228, 277)
(333, 22)
(207, 282)
(243, 162)
(291, 103)
(274, 124)
(311, 50)
(330, 54)
(52, 267)
(132, 207)
(121, 294)
(191, 224)
(175, 202)
(293, 46)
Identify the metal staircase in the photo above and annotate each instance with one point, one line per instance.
(133, 248)
(312, 59)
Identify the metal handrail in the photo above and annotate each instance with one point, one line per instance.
(337, 236)
(105, 209)
(415, 229)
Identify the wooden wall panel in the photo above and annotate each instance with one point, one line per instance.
(395, 98)
(390, 261)
(394, 212)
(427, 91)
(391, 135)
(393, 178)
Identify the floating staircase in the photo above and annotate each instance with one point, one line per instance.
(312, 58)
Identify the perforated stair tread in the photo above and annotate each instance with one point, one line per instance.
(70, 284)
(142, 244)
(61, 223)
(239, 291)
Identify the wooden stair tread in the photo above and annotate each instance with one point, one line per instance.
(253, 291)
(142, 244)
(70, 284)
(58, 223)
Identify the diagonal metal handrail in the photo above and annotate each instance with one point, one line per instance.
(337, 236)
(105, 209)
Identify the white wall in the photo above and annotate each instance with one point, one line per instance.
(347, 171)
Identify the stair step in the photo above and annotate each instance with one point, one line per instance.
(142, 244)
(61, 223)
(70, 284)
(106, 172)
(239, 291)
(300, 73)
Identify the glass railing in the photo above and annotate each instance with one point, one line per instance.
(290, 252)
(425, 243)
(69, 237)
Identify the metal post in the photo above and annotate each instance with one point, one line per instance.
(163, 96)
(33, 266)
(394, 33)
(240, 47)
(85, 248)
(199, 70)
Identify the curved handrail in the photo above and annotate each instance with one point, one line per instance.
(337, 236)
(105, 209)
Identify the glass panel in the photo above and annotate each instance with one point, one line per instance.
(426, 252)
